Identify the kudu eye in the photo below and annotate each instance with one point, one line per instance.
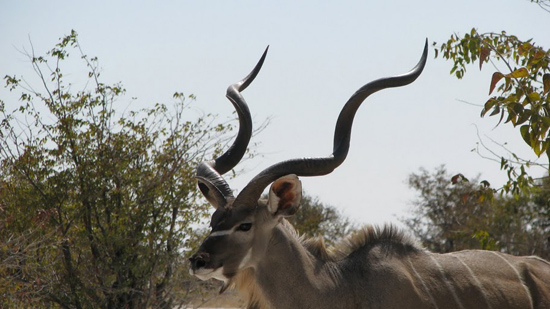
(244, 227)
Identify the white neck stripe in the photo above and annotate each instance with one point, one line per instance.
(220, 233)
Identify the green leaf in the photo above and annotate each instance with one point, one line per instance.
(544, 147)
(488, 105)
(501, 117)
(524, 116)
(516, 108)
(524, 130)
(534, 96)
(538, 147)
(503, 163)
(496, 110)
(485, 184)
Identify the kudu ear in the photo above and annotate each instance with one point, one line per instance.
(285, 195)
(214, 196)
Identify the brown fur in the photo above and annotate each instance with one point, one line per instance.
(369, 235)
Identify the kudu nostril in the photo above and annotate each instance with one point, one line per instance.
(199, 260)
(200, 263)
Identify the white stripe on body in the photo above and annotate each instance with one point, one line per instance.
(476, 280)
(449, 285)
(519, 278)
(534, 257)
(423, 283)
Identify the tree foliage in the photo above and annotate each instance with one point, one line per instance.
(451, 213)
(316, 219)
(519, 90)
(96, 207)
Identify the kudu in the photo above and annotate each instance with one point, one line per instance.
(254, 249)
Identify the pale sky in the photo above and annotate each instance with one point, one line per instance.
(320, 53)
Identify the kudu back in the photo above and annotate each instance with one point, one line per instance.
(254, 249)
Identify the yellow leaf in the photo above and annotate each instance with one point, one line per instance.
(521, 72)
(481, 198)
(539, 55)
(534, 96)
(494, 80)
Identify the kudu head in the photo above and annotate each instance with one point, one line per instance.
(242, 226)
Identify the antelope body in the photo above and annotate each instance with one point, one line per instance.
(254, 249)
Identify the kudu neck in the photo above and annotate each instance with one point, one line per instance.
(290, 276)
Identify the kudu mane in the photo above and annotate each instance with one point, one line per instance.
(387, 235)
